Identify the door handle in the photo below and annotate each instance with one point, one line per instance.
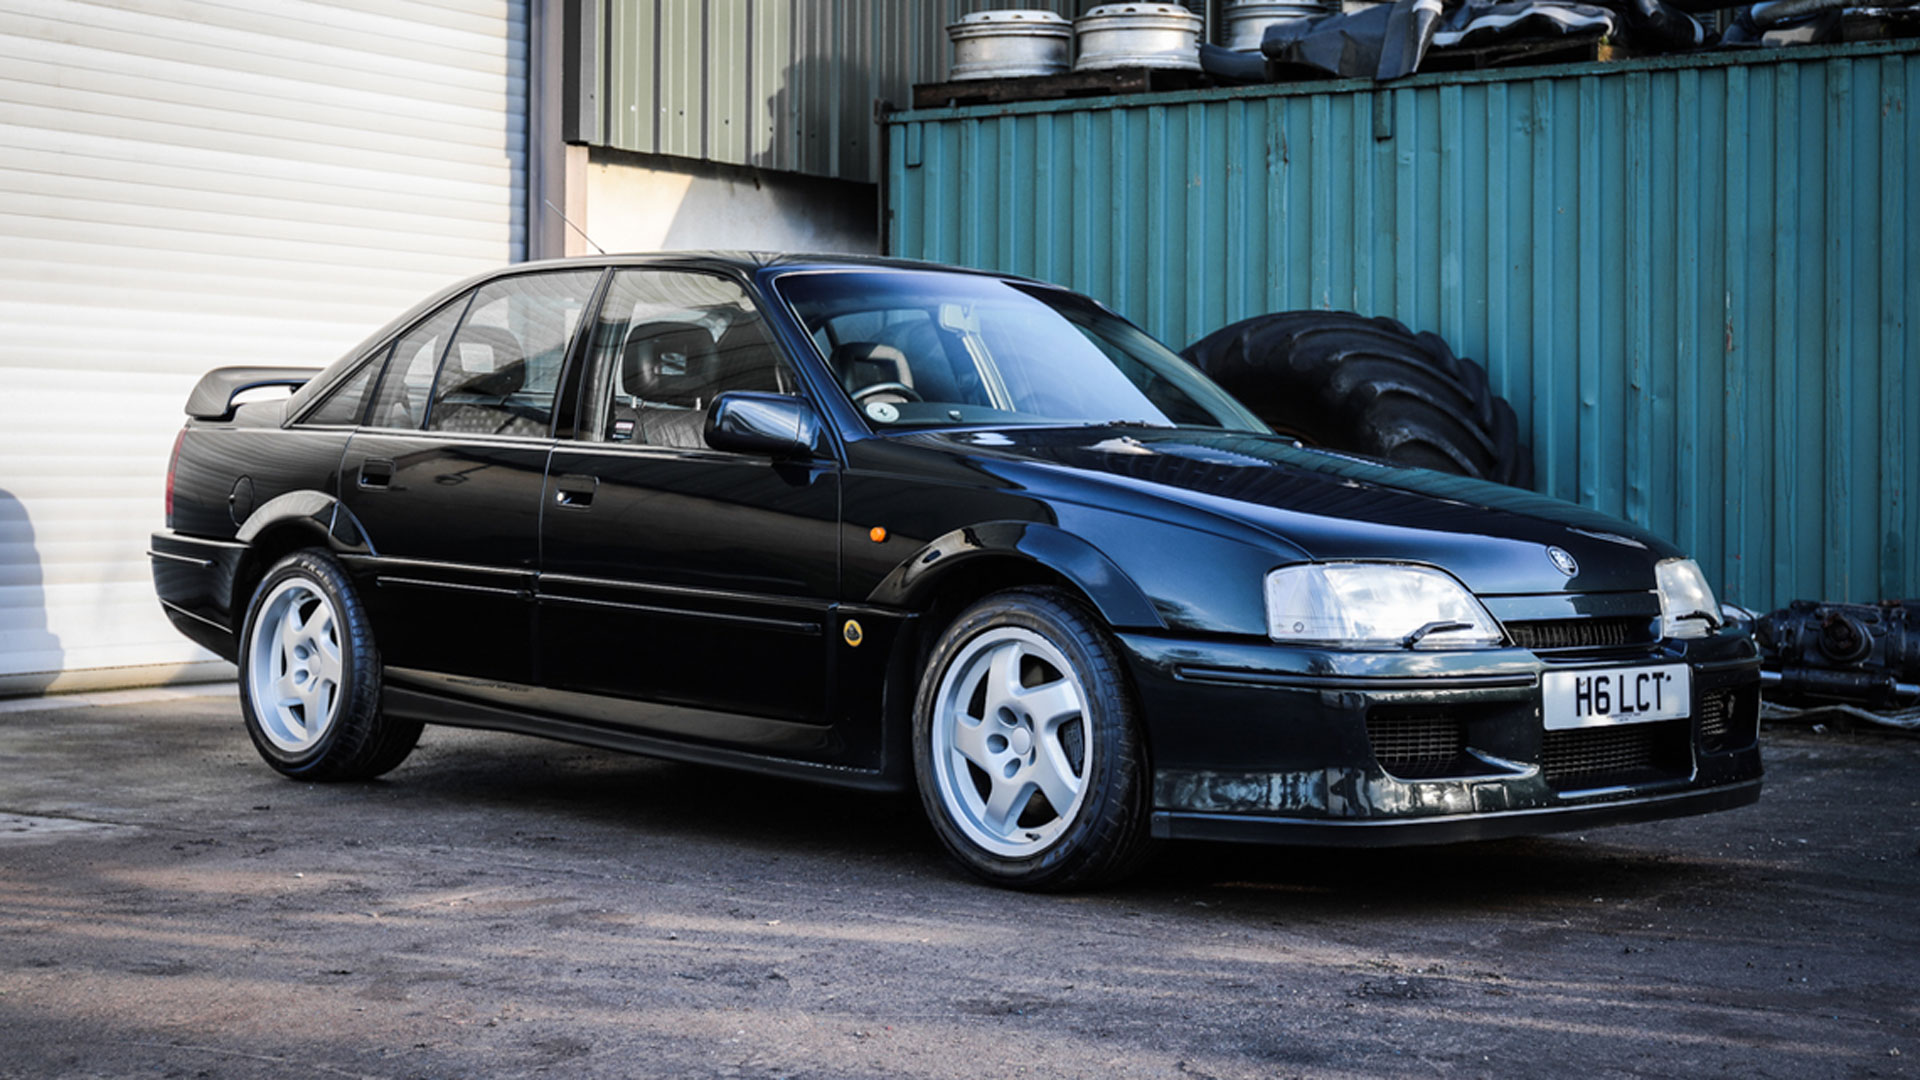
(575, 492)
(376, 473)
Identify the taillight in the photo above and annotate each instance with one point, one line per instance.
(173, 462)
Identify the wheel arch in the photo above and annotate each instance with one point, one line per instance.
(948, 575)
(979, 559)
(283, 525)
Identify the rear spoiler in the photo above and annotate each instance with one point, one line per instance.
(212, 398)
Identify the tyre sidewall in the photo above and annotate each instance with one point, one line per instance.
(1118, 765)
(359, 672)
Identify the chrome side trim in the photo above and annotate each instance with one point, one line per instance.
(171, 606)
(422, 583)
(789, 626)
(384, 562)
(688, 591)
(204, 564)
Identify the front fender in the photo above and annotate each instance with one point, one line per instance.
(911, 583)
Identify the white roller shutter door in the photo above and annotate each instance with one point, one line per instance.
(191, 183)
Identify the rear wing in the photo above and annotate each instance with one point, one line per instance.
(212, 398)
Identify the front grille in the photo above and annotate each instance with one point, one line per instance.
(1412, 747)
(1602, 633)
(1729, 720)
(1613, 755)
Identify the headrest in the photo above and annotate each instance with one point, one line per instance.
(505, 372)
(670, 362)
(863, 363)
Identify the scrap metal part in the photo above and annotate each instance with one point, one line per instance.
(1858, 654)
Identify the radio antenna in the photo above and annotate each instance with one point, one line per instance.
(571, 225)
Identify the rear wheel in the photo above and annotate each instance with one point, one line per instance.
(1027, 745)
(310, 677)
(1370, 386)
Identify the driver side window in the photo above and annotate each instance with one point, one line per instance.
(666, 344)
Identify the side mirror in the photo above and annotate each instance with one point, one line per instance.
(756, 422)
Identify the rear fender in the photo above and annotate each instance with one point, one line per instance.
(313, 510)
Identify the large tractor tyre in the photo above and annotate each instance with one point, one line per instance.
(1368, 386)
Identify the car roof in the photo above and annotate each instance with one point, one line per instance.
(749, 262)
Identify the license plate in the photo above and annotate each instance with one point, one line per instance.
(1635, 695)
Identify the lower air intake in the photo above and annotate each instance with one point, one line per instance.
(1414, 747)
(1593, 757)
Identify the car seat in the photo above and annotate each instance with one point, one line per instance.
(668, 378)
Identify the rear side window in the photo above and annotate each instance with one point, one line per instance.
(345, 403)
(408, 383)
(503, 371)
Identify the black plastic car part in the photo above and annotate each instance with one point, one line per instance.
(1368, 386)
(1865, 654)
(213, 396)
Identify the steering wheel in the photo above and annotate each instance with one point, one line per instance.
(899, 392)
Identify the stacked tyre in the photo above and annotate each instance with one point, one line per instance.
(1368, 386)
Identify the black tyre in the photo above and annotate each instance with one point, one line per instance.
(1368, 386)
(1027, 746)
(310, 676)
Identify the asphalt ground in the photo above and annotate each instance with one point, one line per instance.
(501, 906)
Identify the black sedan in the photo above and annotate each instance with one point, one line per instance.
(885, 524)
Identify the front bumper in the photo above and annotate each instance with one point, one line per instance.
(1257, 742)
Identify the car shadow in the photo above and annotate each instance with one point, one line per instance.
(552, 788)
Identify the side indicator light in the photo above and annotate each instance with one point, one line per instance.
(877, 534)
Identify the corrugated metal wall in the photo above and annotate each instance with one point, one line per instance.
(1698, 280)
(186, 184)
(778, 84)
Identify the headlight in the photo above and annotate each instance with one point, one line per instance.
(1375, 606)
(1687, 607)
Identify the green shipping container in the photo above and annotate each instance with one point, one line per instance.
(1696, 279)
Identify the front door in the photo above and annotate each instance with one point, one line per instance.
(692, 584)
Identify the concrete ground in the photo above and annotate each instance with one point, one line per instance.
(506, 907)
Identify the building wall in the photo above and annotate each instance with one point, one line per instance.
(638, 202)
(788, 85)
(1697, 279)
(188, 184)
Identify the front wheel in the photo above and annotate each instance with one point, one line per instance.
(1027, 747)
(310, 677)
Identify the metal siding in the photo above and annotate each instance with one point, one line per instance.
(778, 84)
(1696, 279)
(185, 184)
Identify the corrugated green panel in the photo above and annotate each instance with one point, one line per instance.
(780, 84)
(1697, 279)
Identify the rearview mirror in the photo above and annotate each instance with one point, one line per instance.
(756, 422)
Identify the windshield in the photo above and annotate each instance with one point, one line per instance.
(925, 348)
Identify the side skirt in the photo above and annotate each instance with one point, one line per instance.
(414, 704)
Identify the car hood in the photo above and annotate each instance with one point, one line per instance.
(1329, 506)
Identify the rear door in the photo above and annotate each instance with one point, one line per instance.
(692, 585)
(445, 476)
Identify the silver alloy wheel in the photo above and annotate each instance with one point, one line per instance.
(1009, 723)
(294, 665)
